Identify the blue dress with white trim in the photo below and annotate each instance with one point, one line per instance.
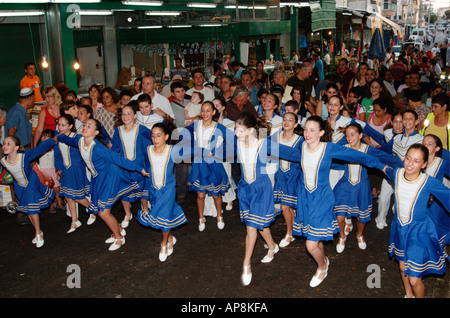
(131, 145)
(353, 191)
(109, 180)
(255, 192)
(208, 174)
(31, 193)
(165, 213)
(287, 175)
(74, 181)
(315, 217)
(414, 238)
(438, 169)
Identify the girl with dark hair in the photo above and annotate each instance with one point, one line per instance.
(208, 176)
(31, 193)
(414, 239)
(75, 186)
(438, 167)
(353, 192)
(287, 175)
(130, 140)
(109, 182)
(315, 217)
(255, 192)
(165, 213)
(330, 90)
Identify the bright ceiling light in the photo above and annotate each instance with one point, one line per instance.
(201, 5)
(162, 12)
(143, 3)
(179, 26)
(150, 27)
(95, 12)
(21, 13)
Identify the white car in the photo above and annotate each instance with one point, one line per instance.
(396, 49)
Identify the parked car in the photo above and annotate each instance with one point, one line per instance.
(418, 45)
(418, 35)
(396, 49)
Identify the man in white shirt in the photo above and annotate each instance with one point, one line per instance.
(199, 81)
(161, 104)
(435, 49)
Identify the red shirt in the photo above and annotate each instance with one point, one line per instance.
(398, 69)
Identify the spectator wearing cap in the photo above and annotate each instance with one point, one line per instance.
(239, 103)
(31, 80)
(199, 81)
(17, 122)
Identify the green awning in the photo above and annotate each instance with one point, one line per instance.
(323, 15)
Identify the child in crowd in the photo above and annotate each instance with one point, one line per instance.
(193, 109)
(145, 116)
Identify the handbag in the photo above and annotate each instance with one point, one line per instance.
(45, 180)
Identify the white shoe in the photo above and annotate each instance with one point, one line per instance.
(74, 226)
(268, 258)
(202, 224)
(229, 206)
(91, 219)
(340, 246)
(111, 239)
(34, 240)
(348, 226)
(115, 246)
(316, 281)
(220, 223)
(284, 242)
(246, 277)
(381, 225)
(40, 240)
(361, 242)
(126, 221)
(170, 250)
(164, 254)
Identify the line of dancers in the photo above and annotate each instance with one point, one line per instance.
(320, 182)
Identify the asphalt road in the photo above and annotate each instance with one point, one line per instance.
(205, 265)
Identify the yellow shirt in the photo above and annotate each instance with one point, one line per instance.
(33, 83)
(440, 132)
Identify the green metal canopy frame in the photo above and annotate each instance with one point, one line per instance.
(323, 15)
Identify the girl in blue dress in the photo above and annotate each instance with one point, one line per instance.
(438, 167)
(165, 213)
(31, 193)
(353, 192)
(414, 239)
(287, 175)
(109, 181)
(315, 217)
(208, 176)
(70, 168)
(255, 192)
(130, 140)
